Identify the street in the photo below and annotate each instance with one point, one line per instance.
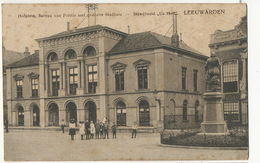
(42, 145)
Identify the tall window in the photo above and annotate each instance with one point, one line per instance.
(119, 78)
(195, 80)
(19, 88)
(183, 78)
(230, 76)
(142, 77)
(73, 77)
(55, 82)
(92, 78)
(231, 111)
(185, 110)
(34, 87)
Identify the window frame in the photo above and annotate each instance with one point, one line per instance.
(35, 87)
(92, 83)
(73, 86)
(143, 77)
(184, 78)
(236, 111)
(236, 76)
(19, 88)
(55, 92)
(120, 77)
(195, 80)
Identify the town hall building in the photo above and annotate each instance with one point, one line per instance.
(97, 71)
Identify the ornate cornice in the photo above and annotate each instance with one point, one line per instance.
(118, 66)
(18, 77)
(33, 75)
(80, 37)
(141, 63)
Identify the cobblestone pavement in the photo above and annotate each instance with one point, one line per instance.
(40, 145)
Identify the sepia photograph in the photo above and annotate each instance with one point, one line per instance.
(125, 82)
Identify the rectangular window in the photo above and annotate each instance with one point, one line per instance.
(55, 82)
(142, 78)
(92, 78)
(73, 80)
(230, 76)
(119, 78)
(19, 88)
(231, 111)
(195, 80)
(183, 77)
(35, 86)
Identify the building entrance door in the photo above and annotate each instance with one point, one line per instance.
(20, 116)
(53, 115)
(144, 113)
(71, 112)
(36, 116)
(91, 111)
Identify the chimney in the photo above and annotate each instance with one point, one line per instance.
(68, 26)
(175, 36)
(26, 52)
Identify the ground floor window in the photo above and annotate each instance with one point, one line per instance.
(53, 115)
(36, 116)
(231, 111)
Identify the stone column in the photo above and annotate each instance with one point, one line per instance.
(80, 90)
(62, 79)
(213, 122)
(27, 118)
(46, 71)
(64, 86)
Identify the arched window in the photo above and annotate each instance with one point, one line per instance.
(70, 54)
(197, 104)
(144, 113)
(89, 51)
(121, 113)
(52, 57)
(185, 110)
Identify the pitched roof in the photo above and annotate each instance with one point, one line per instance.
(79, 31)
(31, 60)
(149, 40)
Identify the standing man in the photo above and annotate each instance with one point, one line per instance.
(62, 125)
(97, 127)
(134, 129)
(106, 128)
(87, 129)
(113, 127)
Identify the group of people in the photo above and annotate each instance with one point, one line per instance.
(98, 130)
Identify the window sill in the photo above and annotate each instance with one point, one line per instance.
(184, 90)
(140, 90)
(185, 121)
(119, 91)
(19, 98)
(35, 97)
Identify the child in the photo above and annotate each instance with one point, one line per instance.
(113, 127)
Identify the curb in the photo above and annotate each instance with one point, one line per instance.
(200, 147)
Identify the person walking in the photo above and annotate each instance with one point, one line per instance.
(87, 129)
(92, 130)
(134, 129)
(72, 130)
(97, 127)
(113, 127)
(62, 125)
(105, 132)
(82, 130)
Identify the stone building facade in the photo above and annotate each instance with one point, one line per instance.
(231, 48)
(97, 71)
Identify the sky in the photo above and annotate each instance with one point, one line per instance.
(19, 32)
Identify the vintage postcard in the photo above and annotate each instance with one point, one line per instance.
(105, 82)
